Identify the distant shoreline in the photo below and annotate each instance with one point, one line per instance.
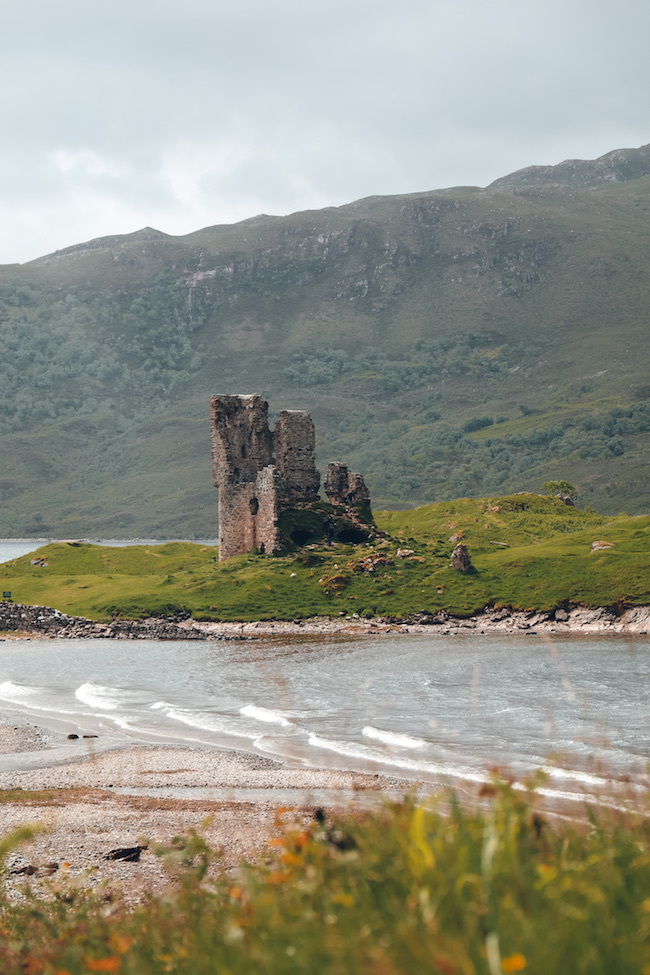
(23, 621)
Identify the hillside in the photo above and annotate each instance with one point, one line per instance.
(448, 343)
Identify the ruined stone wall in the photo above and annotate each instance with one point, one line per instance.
(294, 443)
(259, 474)
(343, 486)
(248, 515)
(242, 444)
(243, 470)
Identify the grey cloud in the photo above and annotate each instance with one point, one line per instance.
(181, 115)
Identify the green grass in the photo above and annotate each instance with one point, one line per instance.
(405, 890)
(528, 552)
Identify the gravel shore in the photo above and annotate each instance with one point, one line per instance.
(232, 797)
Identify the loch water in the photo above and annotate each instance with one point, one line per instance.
(417, 707)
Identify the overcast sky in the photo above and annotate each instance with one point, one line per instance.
(120, 114)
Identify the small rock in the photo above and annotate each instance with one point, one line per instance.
(29, 870)
(130, 854)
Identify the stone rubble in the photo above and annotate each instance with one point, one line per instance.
(42, 621)
(45, 621)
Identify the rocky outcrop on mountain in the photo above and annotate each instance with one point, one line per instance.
(618, 166)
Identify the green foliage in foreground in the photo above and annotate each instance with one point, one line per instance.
(404, 889)
(528, 552)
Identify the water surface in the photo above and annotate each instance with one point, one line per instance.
(420, 707)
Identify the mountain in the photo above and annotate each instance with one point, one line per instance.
(449, 343)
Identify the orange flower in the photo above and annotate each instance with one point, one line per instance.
(445, 966)
(110, 964)
(514, 963)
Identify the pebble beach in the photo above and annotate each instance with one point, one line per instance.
(98, 804)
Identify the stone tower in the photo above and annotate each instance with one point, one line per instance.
(258, 472)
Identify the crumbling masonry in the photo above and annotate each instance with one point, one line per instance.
(261, 474)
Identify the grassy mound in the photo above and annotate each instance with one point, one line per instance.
(527, 551)
(404, 890)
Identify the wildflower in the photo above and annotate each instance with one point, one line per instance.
(110, 964)
(514, 963)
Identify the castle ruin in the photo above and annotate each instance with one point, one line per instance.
(265, 475)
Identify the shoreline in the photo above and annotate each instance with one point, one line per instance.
(24, 621)
(90, 802)
(95, 803)
(575, 619)
(93, 809)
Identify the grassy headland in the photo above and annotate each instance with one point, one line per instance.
(528, 552)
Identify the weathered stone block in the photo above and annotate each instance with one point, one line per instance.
(343, 486)
(460, 559)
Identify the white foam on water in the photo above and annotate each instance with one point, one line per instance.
(98, 696)
(124, 724)
(218, 724)
(393, 738)
(264, 714)
(585, 777)
(31, 698)
(17, 693)
(362, 752)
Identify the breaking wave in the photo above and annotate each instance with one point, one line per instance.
(98, 696)
(17, 693)
(393, 738)
(264, 714)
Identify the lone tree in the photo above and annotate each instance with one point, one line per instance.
(563, 490)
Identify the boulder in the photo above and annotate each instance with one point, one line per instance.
(460, 560)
